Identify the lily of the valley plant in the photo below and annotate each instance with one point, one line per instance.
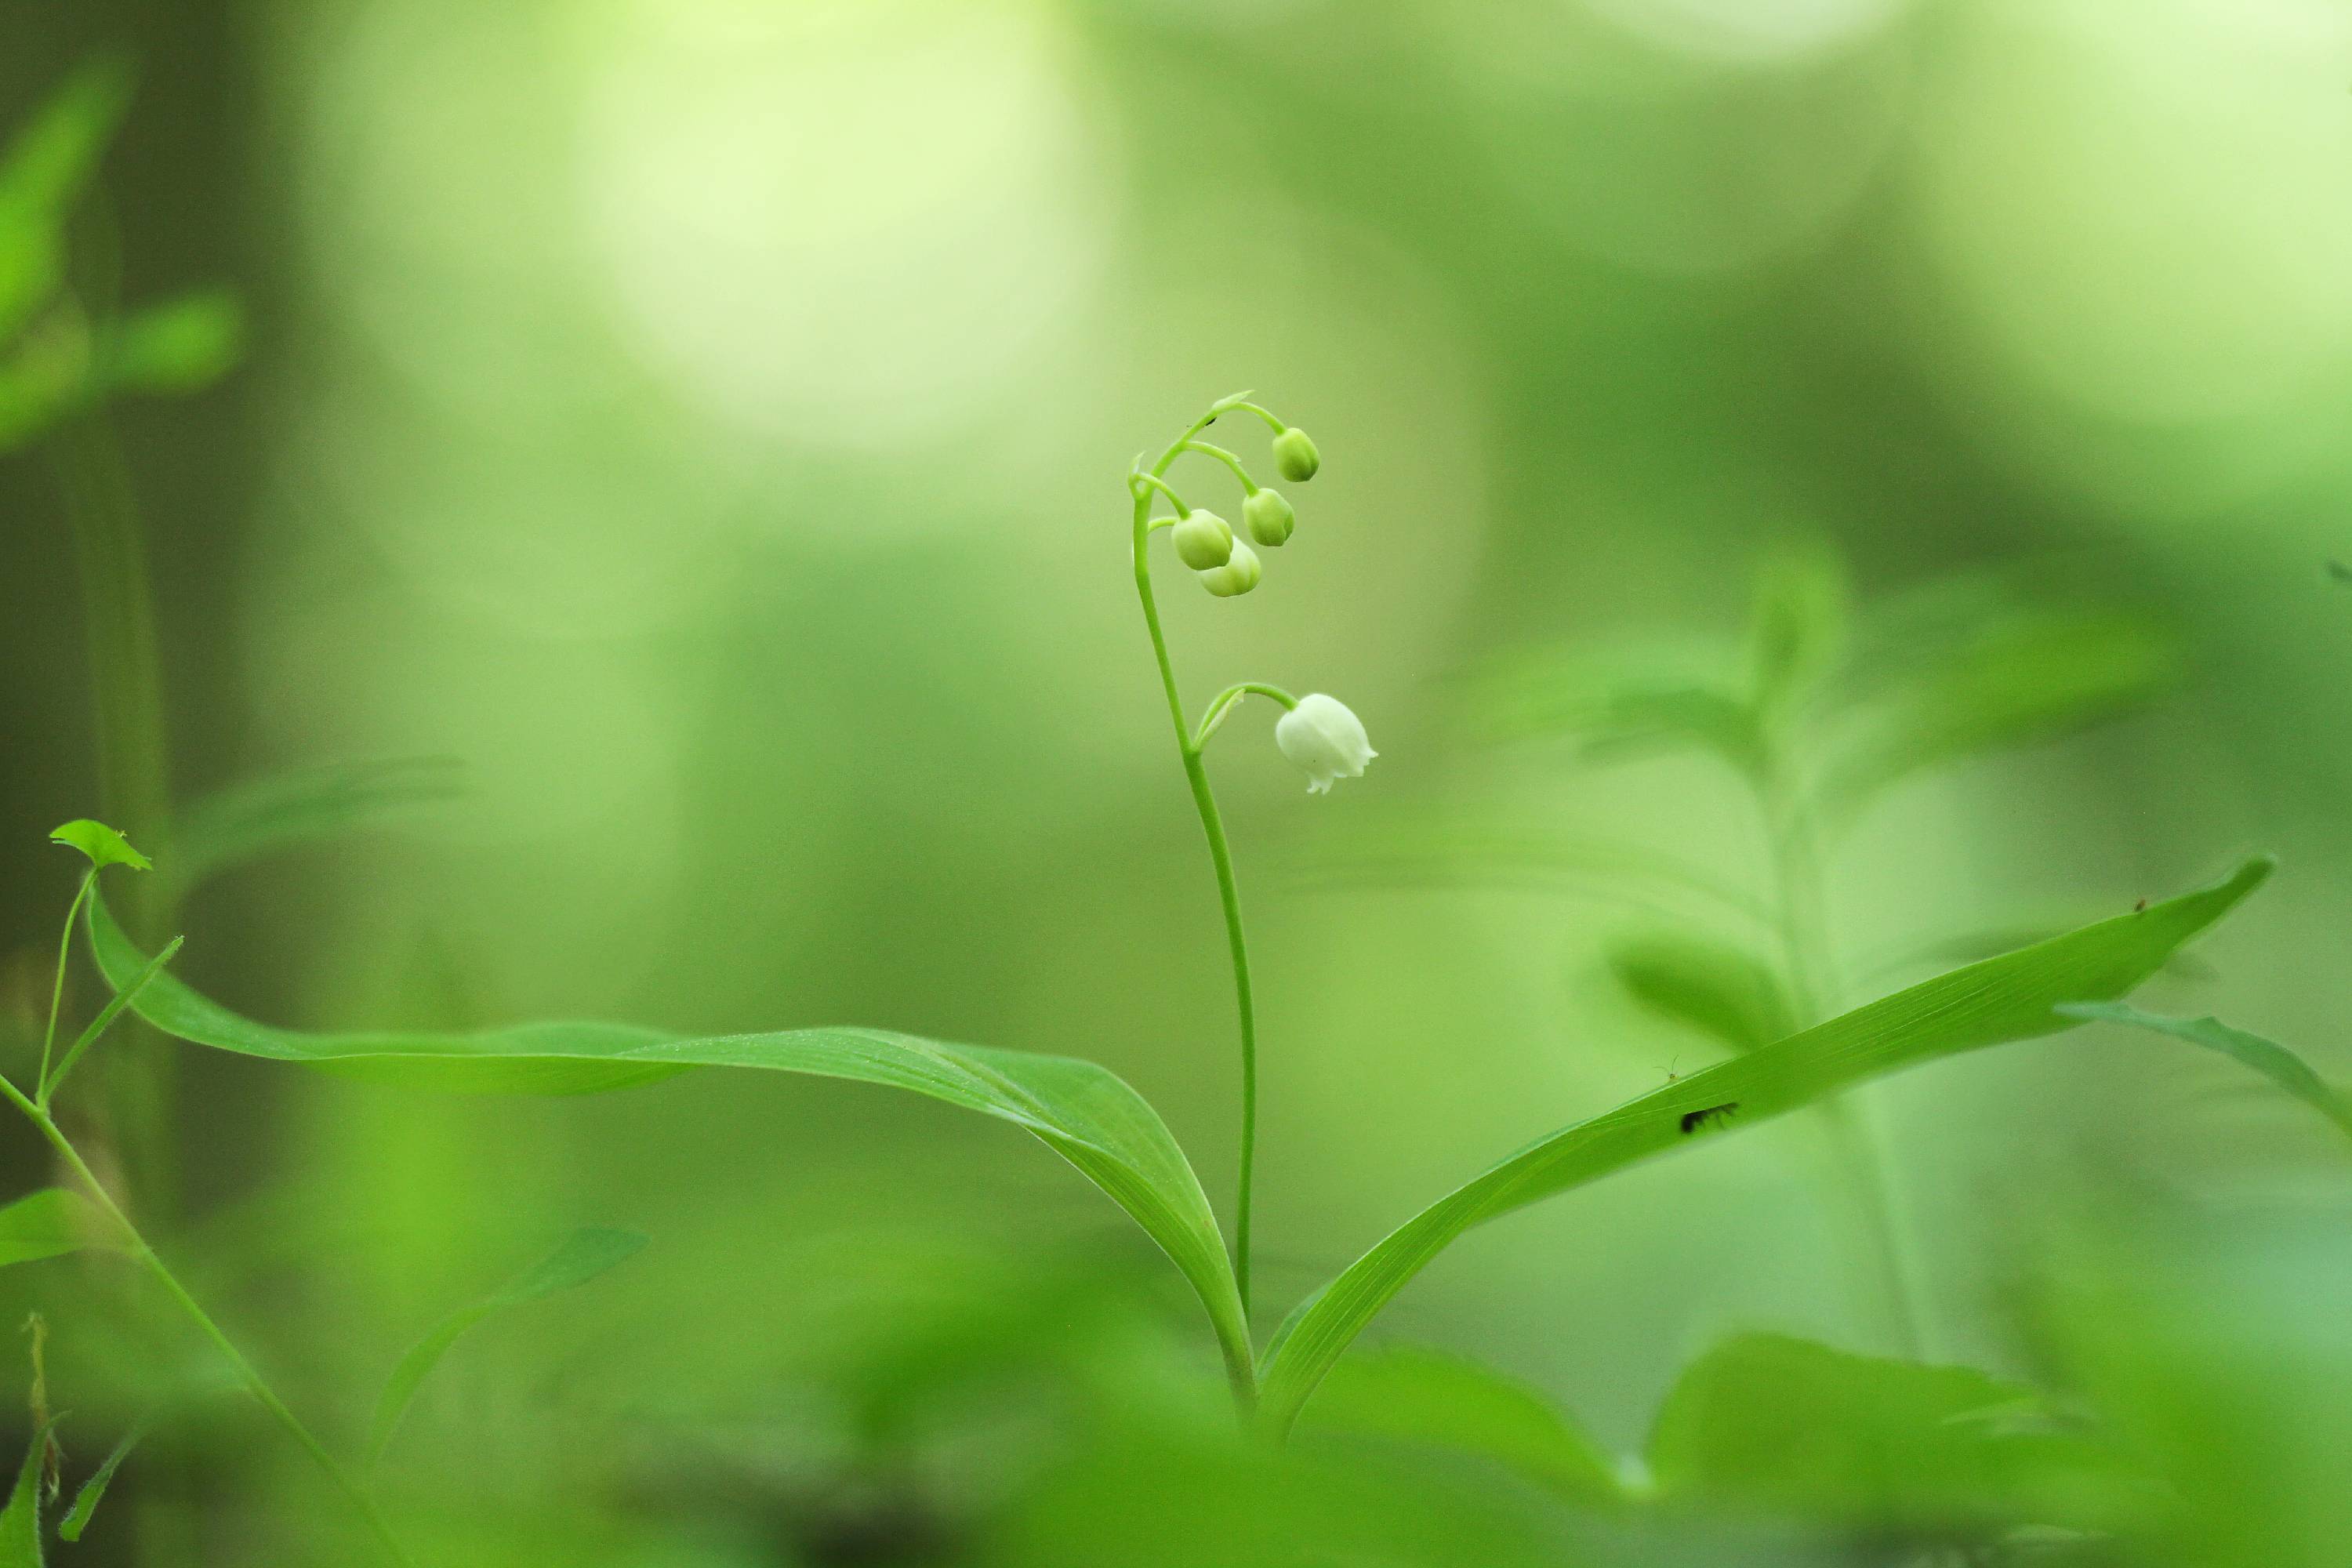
(1315, 731)
(1081, 1110)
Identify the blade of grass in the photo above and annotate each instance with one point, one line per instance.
(2007, 998)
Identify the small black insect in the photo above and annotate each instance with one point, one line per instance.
(2341, 573)
(1694, 1120)
(2140, 908)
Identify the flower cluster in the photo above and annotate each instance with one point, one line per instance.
(1207, 544)
(1317, 732)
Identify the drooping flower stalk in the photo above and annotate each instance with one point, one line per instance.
(1227, 568)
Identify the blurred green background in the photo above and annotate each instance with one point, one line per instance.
(706, 420)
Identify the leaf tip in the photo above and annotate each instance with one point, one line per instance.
(102, 845)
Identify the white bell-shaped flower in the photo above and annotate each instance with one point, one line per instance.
(1325, 739)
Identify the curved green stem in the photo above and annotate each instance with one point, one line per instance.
(1223, 702)
(1249, 486)
(1154, 481)
(1221, 860)
(266, 1396)
(1224, 404)
(57, 986)
(106, 1019)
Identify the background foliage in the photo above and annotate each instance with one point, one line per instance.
(702, 424)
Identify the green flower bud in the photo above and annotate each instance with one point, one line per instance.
(1238, 575)
(1269, 517)
(1296, 457)
(1204, 539)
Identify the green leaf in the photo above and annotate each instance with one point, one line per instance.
(20, 1523)
(2020, 681)
(248, 821)
(1723, 992)
(48, 1224)
(182, 346)
(45, 167)
(1426, 1399)
(2007, 998)
(2273, 1061)
(52, 158)
(93, 1491)
(583, 1255)
(1082, 1112)
(1767, 1423)
(104, 846)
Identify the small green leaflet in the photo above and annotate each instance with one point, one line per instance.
(48, 1224)
(583, 1255)
(93, 1491)
(2007, 998)
(2272, 1060)
(44, 168)
(102, 844)
(1083, 1112)
(20, 1524)
(182, 345)
(1722, 991)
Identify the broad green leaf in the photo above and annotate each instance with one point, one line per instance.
(49, 1223)
(45, 167)
(1082, 1112)
(2272, 1060)
(1720, 990)
(2007, 998)
(1767, 1423)
(20, 1523)
(102, 844)
(2021, 680)
(182, 346)
(583, 1255)
(1426, 1399)
(248, 821)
